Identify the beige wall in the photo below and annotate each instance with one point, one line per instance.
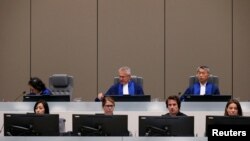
(198, 32)
(161, 40)
(131, 33)
(14, 47)
(241, 48)
(64, 40)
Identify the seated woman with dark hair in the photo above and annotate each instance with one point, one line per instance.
(37, 87)
(233, 108)
(41, 107)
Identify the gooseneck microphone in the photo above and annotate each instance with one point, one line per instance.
(23, 93)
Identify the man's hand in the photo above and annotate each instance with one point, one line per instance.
(100, 96)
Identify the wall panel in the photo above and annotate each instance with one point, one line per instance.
(91, 39)
(131, 33)
(14, 48)
(198, 32)
(241, 49)
(64, 37)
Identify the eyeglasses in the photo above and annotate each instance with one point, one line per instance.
(109, 106)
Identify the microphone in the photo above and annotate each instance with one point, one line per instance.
(179, 93)
(23, 93)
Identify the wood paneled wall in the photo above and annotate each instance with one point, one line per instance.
(161, 40)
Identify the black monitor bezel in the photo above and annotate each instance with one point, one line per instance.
(156, 126)
(109, 125)
(131, 98)
(226, 122)
(31, 124)
(207, 98)
(49, 98)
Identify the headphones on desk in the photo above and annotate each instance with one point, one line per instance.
(37, 83)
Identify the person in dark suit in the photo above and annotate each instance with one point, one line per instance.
(126, 85)
(37, 87)
(203, 87)
(173, 105)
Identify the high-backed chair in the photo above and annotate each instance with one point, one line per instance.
(61, 84)
(137, 79)
(212, 79)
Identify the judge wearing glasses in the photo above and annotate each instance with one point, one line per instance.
(126, 85)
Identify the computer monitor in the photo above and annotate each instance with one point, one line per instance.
(134, 98)
(207, 98)
(166, 126)
(31, 125)
(214, 124)
(100, 125)
(51, 98)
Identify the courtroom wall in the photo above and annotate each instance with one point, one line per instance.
(161, 40)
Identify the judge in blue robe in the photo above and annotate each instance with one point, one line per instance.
(133, 89)
(211, 89)
(125, 86)
(203, 87)
(37, 87)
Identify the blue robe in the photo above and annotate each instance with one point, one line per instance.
(211, 89)
(46, 92)
(43, 92)
(117, 89)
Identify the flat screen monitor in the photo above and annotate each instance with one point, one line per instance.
(31, 125)
(207, 98)
(100, 125)
(52, 98)
(166, 126)
(215, 124)
(129, 98)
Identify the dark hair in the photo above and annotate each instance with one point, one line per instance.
(107, 98)
(45, 105)
(176, 98)
(235, 101)
(37, 84)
